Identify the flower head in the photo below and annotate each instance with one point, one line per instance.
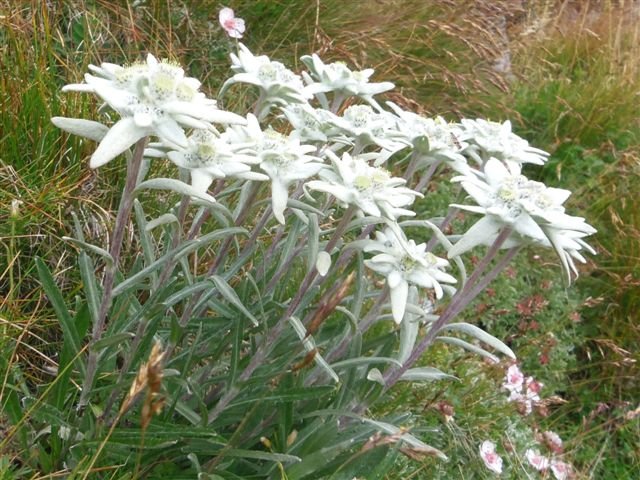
(277, 83)
(489, 456)
(338, 77)
(553, 441)
(561, 470)
(207, 156)
(536, 460)
(404, 263)
(532, 210)
(514, 379)
(152, 98)
(353, 181)
(492, 139)
(233, 26)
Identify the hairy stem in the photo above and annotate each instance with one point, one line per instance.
(122, 219)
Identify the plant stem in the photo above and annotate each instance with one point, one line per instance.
(460, 300)
(122, 219)
(269, 340)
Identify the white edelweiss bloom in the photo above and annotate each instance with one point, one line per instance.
(434, 139)
(404, 263)
(208, 157)
(152, 98)
(532, 210)
(368, 127)
(309, 124)
(338, 77)
(489, 456)
(372, 189)
(496, 140)
(277, 82)
(286, 164)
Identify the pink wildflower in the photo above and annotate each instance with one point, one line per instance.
(232, 25)
(513, 379)
(537, 461)
(553, 441)
(489, 456)
(561, 470)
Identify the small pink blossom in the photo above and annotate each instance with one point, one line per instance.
(533, 386)
(537, 461)
(232, 25)
(561, 470)
(513, 379)
(553, 441)
(489, 456)
(525, 404)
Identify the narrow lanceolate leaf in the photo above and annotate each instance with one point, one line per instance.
(425, 374)
(81, 127)
(90, 248)
(161, 220)
(468, 346)
(69, 329)
(175, 186)
(313, 244)
(480, 335)
(232, 297)
(259, 455)
(409, 329)
(310, 345)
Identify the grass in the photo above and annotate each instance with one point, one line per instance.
(572, 89)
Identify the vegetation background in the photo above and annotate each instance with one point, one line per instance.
(567, 73)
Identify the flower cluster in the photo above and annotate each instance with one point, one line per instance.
(531, 210)
(525, 391)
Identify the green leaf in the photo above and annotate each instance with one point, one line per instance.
(112, 340)
(364, 361)
(90, 248)
(175, 186)
(232, 297)
(482, 336)
(69, 329)
(309, 345)
(87, 273)
(258, 455)
(425, 374)
(161, 220)
(468, 346)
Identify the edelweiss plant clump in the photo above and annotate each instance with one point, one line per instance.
(297, 231)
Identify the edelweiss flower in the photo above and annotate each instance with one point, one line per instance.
(434, 139)
(233, 26)
(278, 83)
(283, 158)
(338, 77)
(152, 98)
(533, 211)
(403, 263)
(353, 181)
(490, 458)
(491, 139)
(310, 124)
(208, 157)
(367, 127)
(536, 460)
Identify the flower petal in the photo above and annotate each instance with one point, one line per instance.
(121, 136)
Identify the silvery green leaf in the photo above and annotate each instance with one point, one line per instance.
(175, 186)
(310, 345)
(161, 220)
(428, 374)
(313, 241)
(468, 346)
(323, 263)
(375, 375)
(81, 127)
(482, 336)
(91, 248)
(409, 328)
(232, 297)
